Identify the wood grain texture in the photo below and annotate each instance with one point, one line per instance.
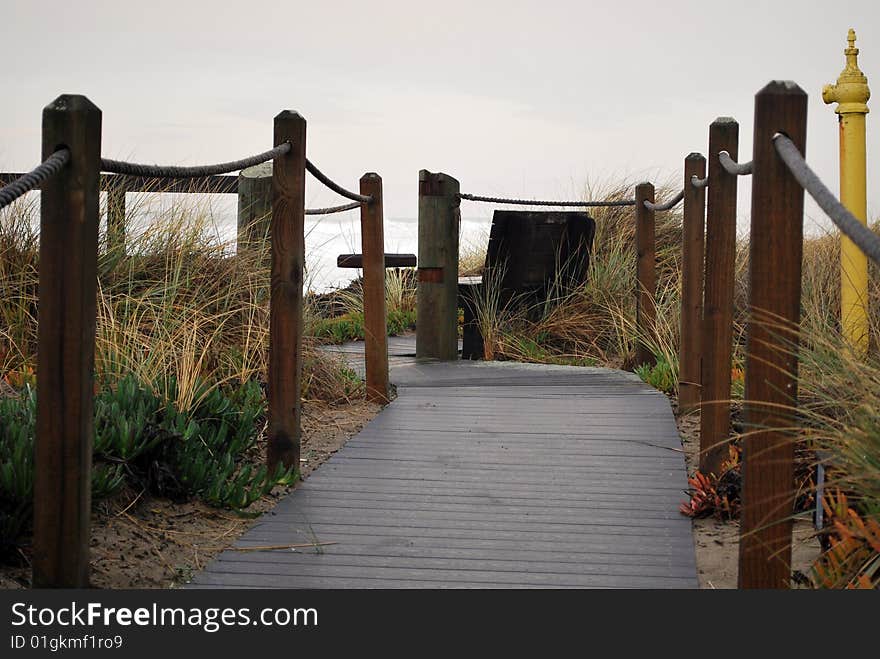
(776, 248)
(375, 320)
(285, 303)
(516, 481)
(254, 207)
(69, 215)
(646, 276)
(690, 344)
(437, 294)
(718, 298)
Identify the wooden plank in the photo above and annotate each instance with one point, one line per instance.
(270, 575)
(690, 350)
(391, 261)
(352, 545)
(69, 216)
(446, 490)
(771, 351)
(249, 562)
(718, 303)
(375, 320)
(285, 303)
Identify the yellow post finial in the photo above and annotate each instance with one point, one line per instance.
(851, 93)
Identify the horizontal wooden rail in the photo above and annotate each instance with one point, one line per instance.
(391, 261)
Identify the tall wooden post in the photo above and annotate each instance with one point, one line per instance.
(116, 216)
(437, 294)
(718, 300)
(771, 355)
(254, 206)
(285, 299)
(375, 322)
(646, 276)
(69, 217)
(690, 350)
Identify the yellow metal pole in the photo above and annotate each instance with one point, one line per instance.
(851, 94)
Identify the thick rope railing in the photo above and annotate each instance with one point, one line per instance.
(699, 182)
(334, 209)
(665, 206)
(24, 184)
(338, 189)
(848, 223)
(534, 202)
(173, 171)
(732, 167)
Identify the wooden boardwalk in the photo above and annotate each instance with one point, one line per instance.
(487, 475)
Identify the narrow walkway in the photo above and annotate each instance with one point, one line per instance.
(487, 475)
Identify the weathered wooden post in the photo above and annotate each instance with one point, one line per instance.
(690, 350)
(286, 296)
(718, 299)
(437, 294)
(69, 217)
(375, 322)
(771, 353)
(646, 275)
(254, 206)
(116, 215)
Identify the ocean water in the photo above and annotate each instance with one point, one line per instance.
(327, 236)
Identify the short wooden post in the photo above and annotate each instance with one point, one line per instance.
(718, 299)
(116, 216)
(254, 206)
(771, 354)
(69, 217)
(690, 350)
(437, 293)
(286, 296)
(646, 276)
(375, 321)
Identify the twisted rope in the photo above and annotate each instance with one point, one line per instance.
(532, 202)
(666, 205)
(166, 171)
(848, 223)
(333, 209)
(24, 184)
(699, 182)
(732, 167)
(338, 189)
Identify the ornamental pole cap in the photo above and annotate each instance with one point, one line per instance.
(851, 92)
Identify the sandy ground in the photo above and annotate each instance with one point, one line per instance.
(140, 541)
(717, 542)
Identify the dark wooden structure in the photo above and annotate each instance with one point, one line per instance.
(532, 251)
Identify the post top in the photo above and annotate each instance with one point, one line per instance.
(782, 87)
(289, 114)
(724, 120)
(695, 156)
(850, 92)
(71, 103)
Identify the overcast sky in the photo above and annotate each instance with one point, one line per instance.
(512, 98)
